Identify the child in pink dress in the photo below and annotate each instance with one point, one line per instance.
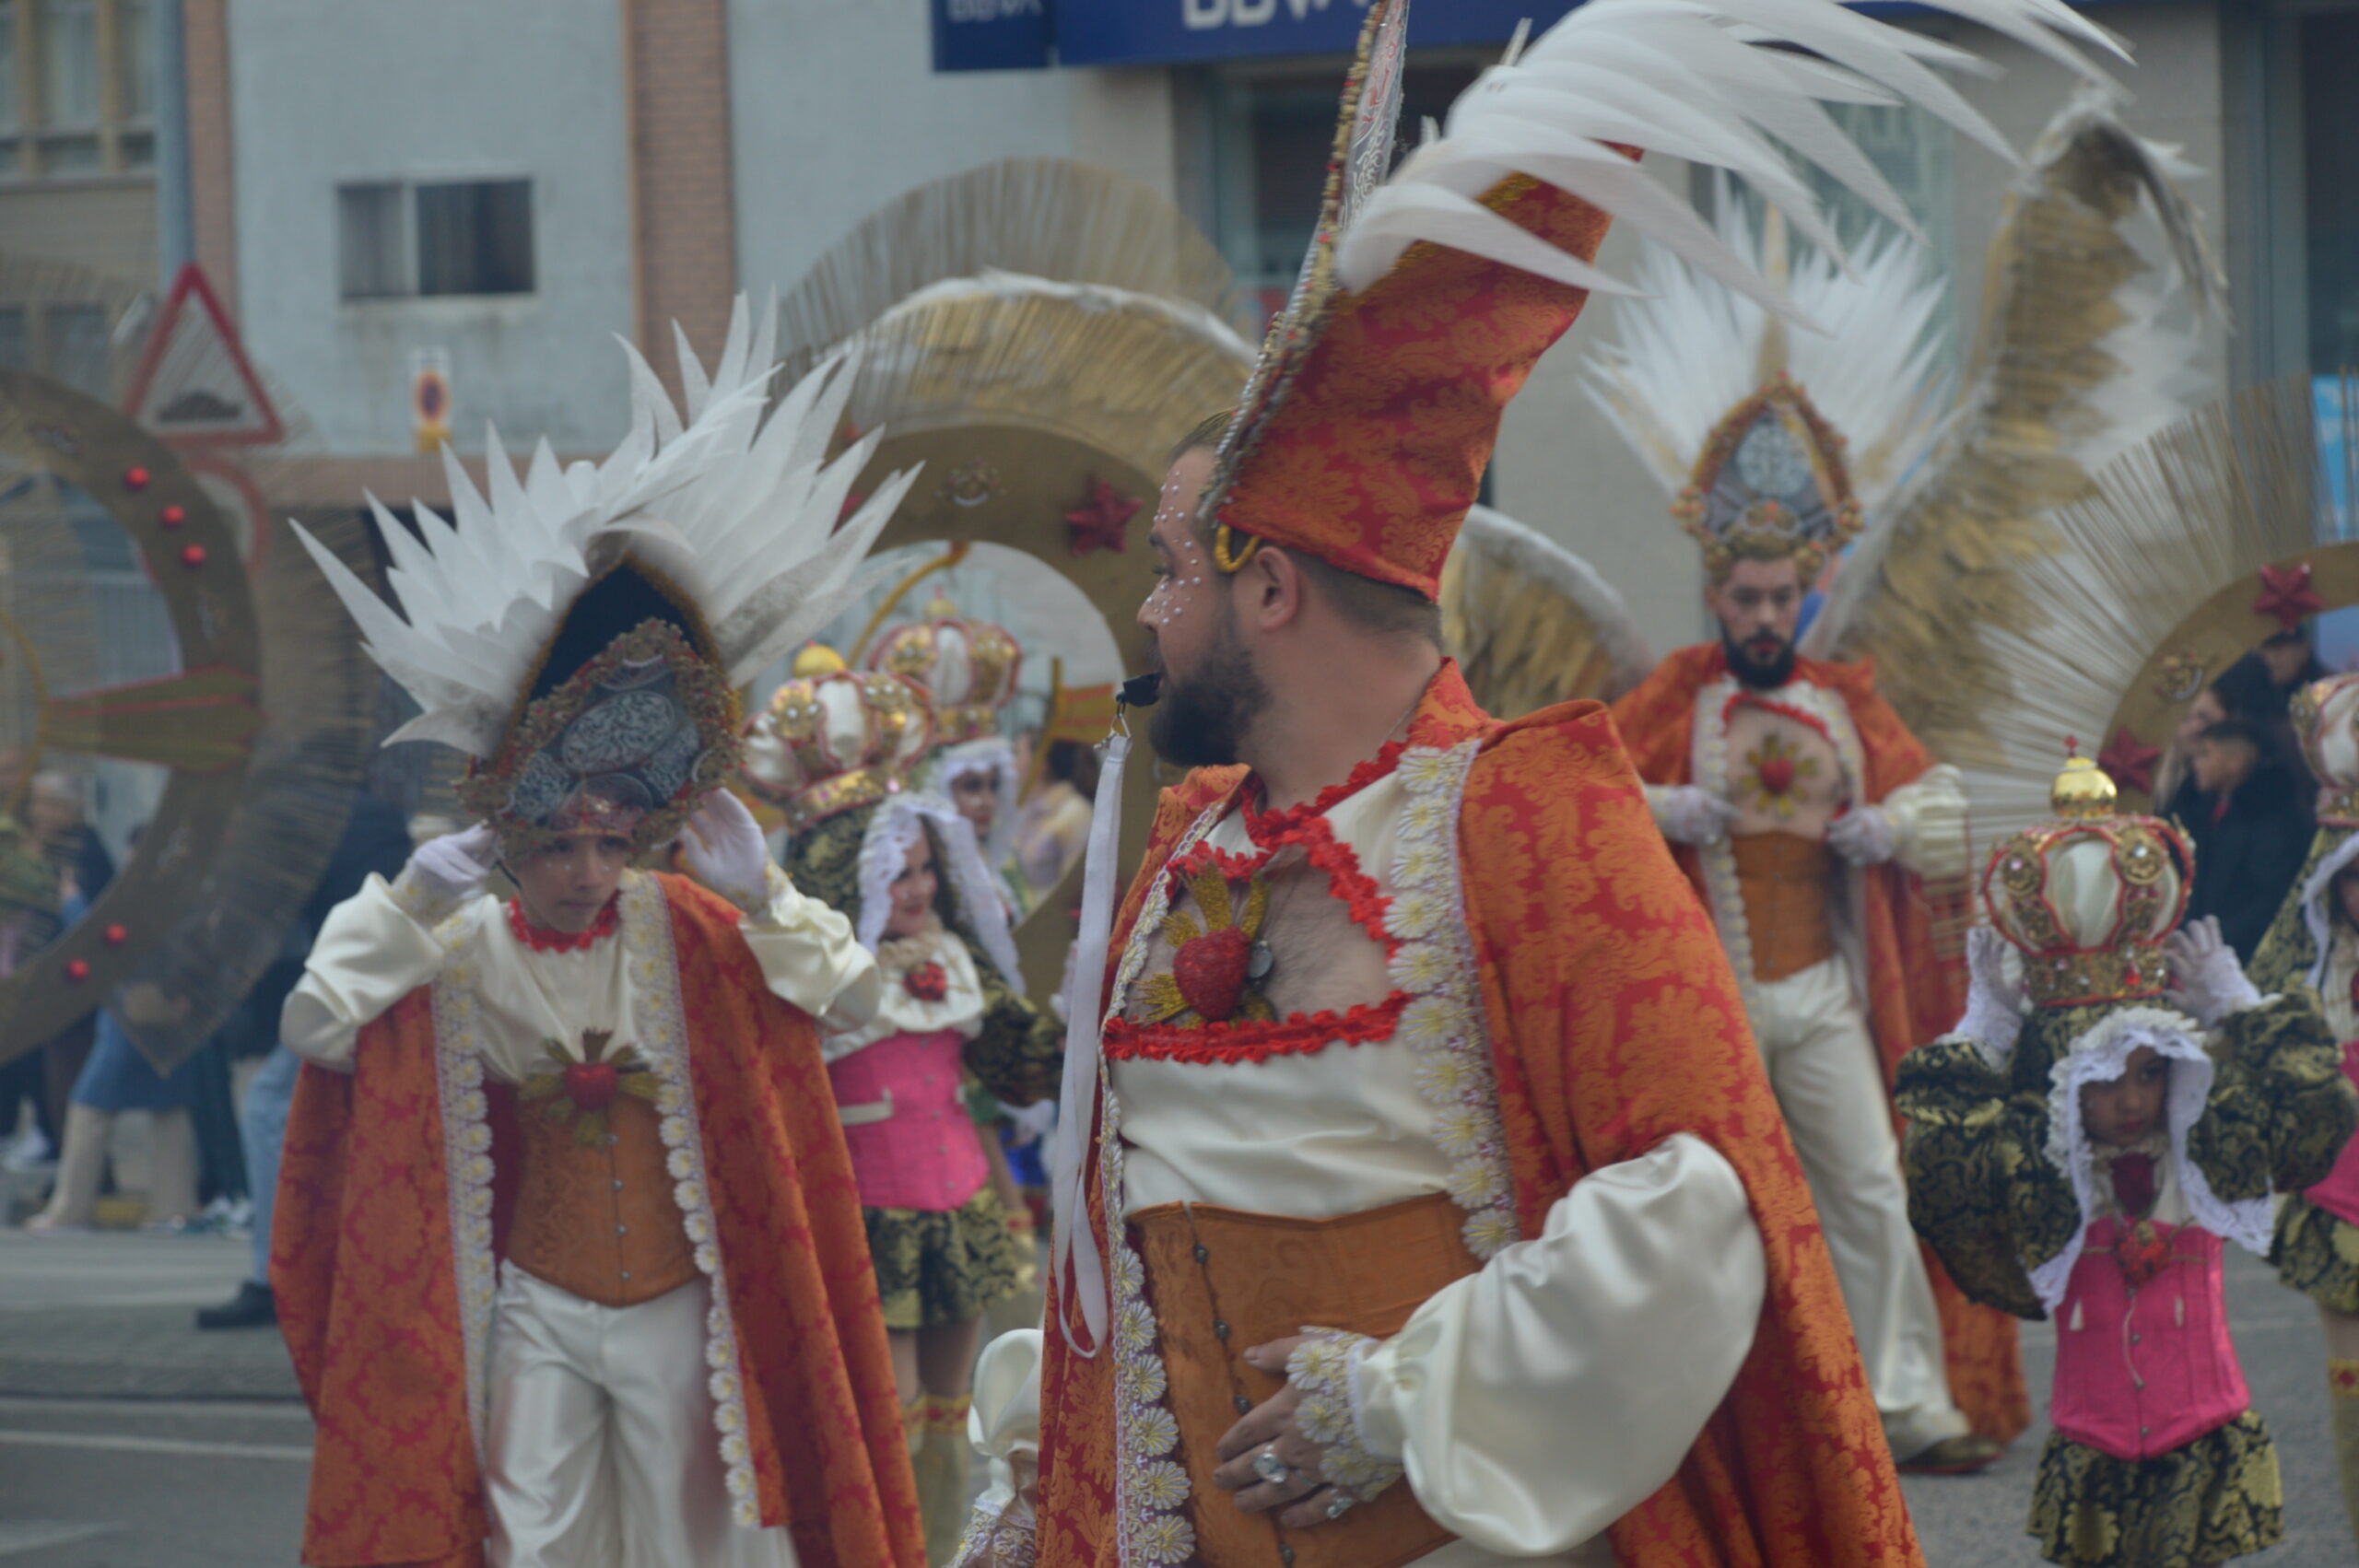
(2114, 1194)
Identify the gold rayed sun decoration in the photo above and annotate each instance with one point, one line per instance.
(579, 1089)
(1210, 965)
(1772, 771)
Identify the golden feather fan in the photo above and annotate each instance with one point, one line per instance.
(1530, 623)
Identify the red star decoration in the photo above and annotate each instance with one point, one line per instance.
(2286, 595)
(1097, 523)
(2129, 764)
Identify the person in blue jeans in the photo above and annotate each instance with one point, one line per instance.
(375, 840)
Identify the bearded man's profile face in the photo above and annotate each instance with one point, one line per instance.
(1210, 691)
(1759, 606)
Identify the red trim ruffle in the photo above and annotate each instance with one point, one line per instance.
(1301, 1035)
(541, 940)
(1265, 826)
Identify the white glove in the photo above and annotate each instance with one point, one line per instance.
(2208, 982)
(445, 872)
(1862, 835)
(1994, 1003)
(723, 846)
(1689, 813)
(1031, 1122)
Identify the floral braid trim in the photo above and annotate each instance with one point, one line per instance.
(655, 970)
(1151, 1486)
(466, 1158)
(1434, 964)
(1324, 1368)
(1708, 764)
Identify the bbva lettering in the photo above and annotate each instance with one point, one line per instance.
(1200, 15)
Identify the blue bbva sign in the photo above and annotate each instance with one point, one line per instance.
(974, 35)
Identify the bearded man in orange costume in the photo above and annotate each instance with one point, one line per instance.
(569, 1250)
(1421, 1194)
(1824, 839)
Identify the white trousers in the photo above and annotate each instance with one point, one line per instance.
(1829, 1081)
(603, 1453)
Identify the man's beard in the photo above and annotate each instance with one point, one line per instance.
(1753, 664)
(1200, 721)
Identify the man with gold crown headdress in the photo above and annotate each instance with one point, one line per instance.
(568, 1253)
(1825, 839)
(2090, 1162)
(1421, 1195)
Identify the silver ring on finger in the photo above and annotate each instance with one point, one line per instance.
(1270, 1469)
(1339, 1502)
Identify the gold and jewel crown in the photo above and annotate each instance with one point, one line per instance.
(2089, 895)
(1770, 485)
(968, 668)
(835, 741)
(2326, 716)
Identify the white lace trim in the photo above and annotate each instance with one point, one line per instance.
(883, 849)
(2099, 1056)
(662, 1032)
(2315, 913)
(1325, 1367)
(901, 1013)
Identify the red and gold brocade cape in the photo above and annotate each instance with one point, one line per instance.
(1914, 995)
(1614, 1022)
(364, 1266)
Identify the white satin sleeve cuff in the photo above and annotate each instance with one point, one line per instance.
(1928, 818)
(1539, 1399)
(1003, 1425)
(370, 953)
(810, 957)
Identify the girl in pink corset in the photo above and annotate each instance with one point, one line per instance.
(2110, 1199)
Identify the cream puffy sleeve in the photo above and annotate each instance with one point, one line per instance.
(811, 958)
(1928, 818)
(373, 950)
(1536, 1401)
(1005, 1426)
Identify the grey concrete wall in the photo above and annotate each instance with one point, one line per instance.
(836, 109)
(436, 90)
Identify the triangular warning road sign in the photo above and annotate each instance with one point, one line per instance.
(195, 384)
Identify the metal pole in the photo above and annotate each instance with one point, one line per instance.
(175, 212)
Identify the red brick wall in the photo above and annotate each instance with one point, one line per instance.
(212, 176)
(684, 204)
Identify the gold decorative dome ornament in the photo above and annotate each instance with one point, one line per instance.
(2089, 895)
(2082, 791)
(2325, 717)
(818, 658)
(834, 742)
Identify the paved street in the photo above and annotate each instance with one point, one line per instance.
(128, 1440)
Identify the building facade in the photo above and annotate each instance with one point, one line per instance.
(494, 187)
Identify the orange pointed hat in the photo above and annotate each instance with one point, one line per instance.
(1427, 297)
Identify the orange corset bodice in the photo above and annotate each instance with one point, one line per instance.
(1785, 880)
(599, 1219)
(1222, 1281)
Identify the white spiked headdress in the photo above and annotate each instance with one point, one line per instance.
(1775, 441)
(579, 632)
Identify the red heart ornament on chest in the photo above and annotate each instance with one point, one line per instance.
(2144, 1252)
(1777, 774)
(928, 982)
(1210, 971)
(592, 1085)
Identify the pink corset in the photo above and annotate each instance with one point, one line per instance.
(913, 1145)
(2339, 1193)
(2141, 1372)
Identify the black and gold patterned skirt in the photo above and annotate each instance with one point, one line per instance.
(2317, 1253)
(2216, 1498)
(939, 1266)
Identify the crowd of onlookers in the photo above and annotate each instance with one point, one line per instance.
(2236, 781)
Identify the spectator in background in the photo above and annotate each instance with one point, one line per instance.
(1054, 824)
(117, 1079)
(56, 828)
(2253, 833)
(29, 920)
(374, 841)
(2175, 792)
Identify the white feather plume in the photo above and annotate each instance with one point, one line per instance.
(740, 512)
(1706, 80)
(1690, 350)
